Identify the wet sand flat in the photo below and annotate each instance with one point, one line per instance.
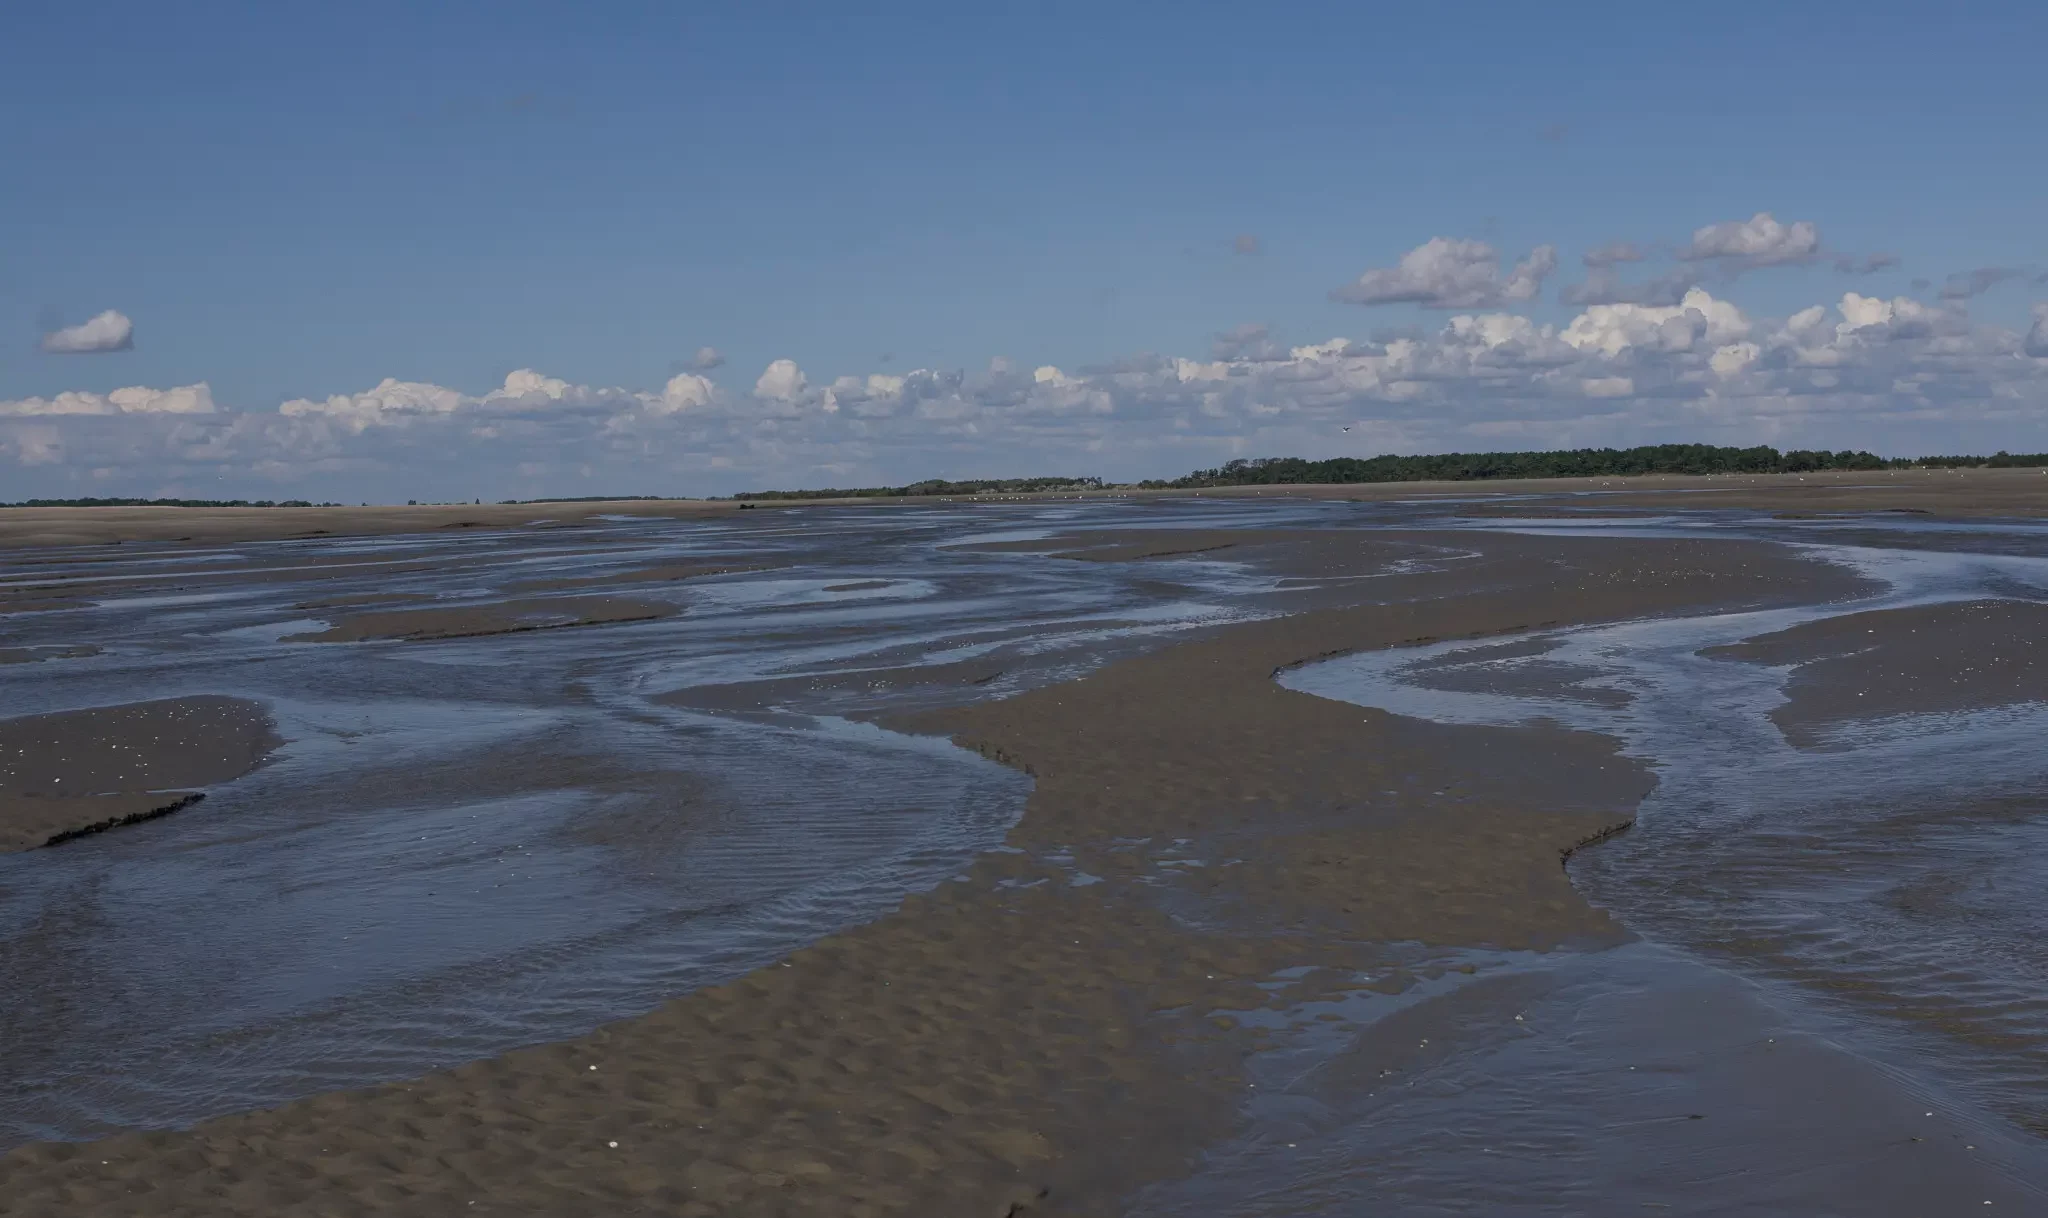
(1931, 658)
(1315, 556)
(363, 600)
(1248, 951)
(43, 820)
(1850, 806)
(75, 772)
(472, 621)
(661, 574)
(26, 605)
(1101, 547)
(1024, 1041)
(36, 655)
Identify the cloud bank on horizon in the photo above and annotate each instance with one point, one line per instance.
(1668, 357)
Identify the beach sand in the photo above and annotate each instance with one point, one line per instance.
(1070, 1021)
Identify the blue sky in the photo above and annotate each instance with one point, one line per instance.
(294, 202)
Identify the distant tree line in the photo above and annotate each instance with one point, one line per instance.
(1998, 460)
(1569, 463)
(1273, 471)
(938, 486)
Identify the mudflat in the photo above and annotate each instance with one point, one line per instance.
(1017, 1041)
(1104, 1002)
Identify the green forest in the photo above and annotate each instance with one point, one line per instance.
(1453, 467)
(1568, 463)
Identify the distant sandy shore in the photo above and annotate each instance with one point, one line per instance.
(1963, 493)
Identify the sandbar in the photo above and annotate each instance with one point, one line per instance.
(70, 773)
(1955, 656)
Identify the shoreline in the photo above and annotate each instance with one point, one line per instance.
(1047, 1043)
(1968, 493)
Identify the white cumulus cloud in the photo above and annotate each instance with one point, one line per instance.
(390, 401)
(1443, 273)
(1733, 358)
(1615, 329)
(685, 392)
(781, 381)
(1899, 317)
(396, 403)
(110, 331)
(876, 394)
(1894, 374)
(1761, 240)
(187, 399)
